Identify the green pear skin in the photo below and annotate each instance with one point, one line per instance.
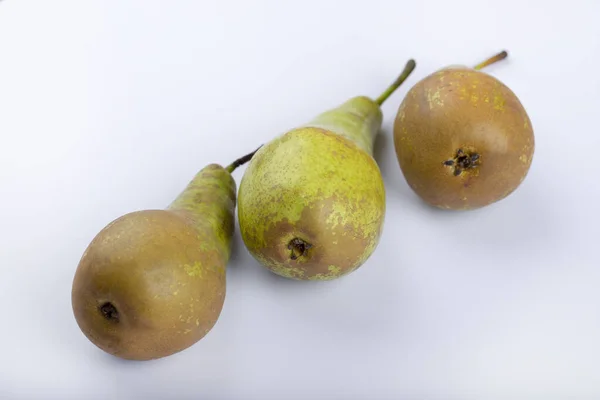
(311, 203)
(152, 283)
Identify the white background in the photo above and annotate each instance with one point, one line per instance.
(112, 106)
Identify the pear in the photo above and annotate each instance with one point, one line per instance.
(463, 139)
(311, 202)
(152, 282)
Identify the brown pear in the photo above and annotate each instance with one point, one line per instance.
(462, 138)
(152, 282)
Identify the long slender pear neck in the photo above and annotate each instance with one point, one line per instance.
(359, 119)
(212, 187)
(209, 199)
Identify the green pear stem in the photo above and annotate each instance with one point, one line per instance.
(408, 69)
(498, 57)
(241, 161)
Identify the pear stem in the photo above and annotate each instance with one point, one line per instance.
(241, 161)
(498, 57)
(408, 69)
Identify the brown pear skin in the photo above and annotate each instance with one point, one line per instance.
(152, 283)
(312, 201)
(462, 138)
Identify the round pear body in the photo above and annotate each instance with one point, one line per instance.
(311, 203)
(463, 139)
(152, 283)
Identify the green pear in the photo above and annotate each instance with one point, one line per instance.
(152, 282)
(311, 203)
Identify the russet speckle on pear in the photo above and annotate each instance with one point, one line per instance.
(311, 203)
(152, 283)
(463, 139)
